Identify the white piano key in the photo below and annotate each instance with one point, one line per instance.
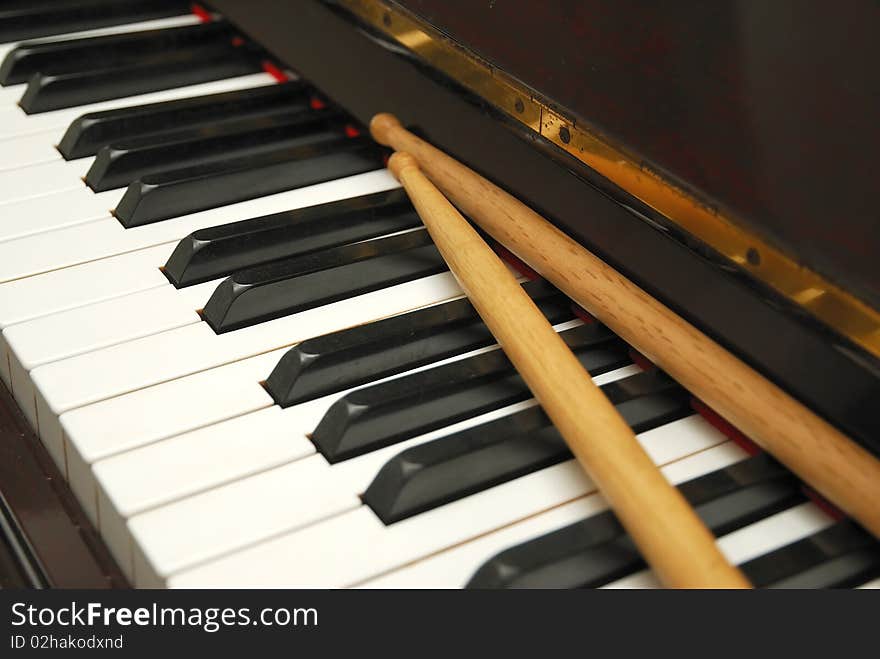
(455, 567)
(40, 180)
(29, 150)
(150, 234)
(64, 334)
(41, 147)
(199, 401)
(325, 554)
(777, 531)
(288, 497)
(168, 409)
(76, 205)
(94, 376)
(123, 492)
(171, 410)
(154, 24)
(33, 297)
(59, 290)
(11, 94)
(874, 584)
(89, 432)
(105, 237)
(15, 123)
(26, 401)
(248, 510)
(94, 326)
(242, 446)
(8, 113)
(176, 407)
(752, 541)
(95, 432)
(204, 458)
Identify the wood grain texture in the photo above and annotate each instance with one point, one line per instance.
(673, 540)
(843, 472)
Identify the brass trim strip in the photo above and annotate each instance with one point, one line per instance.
(820, 298)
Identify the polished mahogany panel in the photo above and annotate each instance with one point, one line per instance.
(767, 110)
(47, 540)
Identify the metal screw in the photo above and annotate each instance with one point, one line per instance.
(752, 256)
(519, 105)
(564, 135)
(386, 18)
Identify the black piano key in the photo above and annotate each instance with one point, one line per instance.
(355, 356)
(97, 53)
(40, 19)
(392, 411)
(840, 556)
(120, 163)
(597, 550)
(177, 192)
(88, 133)
(221, 250)
(304, 282)
(447, 469)
(164, 71)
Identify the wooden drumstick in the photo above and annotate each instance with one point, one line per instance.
(669, 534)
(838, 468)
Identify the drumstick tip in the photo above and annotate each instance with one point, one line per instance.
(380, 126)
(399, 161)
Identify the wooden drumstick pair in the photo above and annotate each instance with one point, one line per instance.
(670, 536)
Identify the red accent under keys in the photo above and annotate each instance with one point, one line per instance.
(351, 131)
(753, 449)
(203, 14)
(317, 104)
(826, 506)
(640, 360)
(237, 41)
(583, 314)
(721, 424)
(273, 70)
(515, 262)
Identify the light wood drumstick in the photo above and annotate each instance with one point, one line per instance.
(835, 466)
(671, 537)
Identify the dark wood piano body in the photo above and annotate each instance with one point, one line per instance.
(761, 112)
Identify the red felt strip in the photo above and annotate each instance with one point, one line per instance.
(273, 70)
(728, 429)
(826, 506)
(203, 14)
(640, 360)
(515, 262)
(582, 313)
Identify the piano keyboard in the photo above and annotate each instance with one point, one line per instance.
(233, 336)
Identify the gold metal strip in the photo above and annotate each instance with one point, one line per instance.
(823, 300)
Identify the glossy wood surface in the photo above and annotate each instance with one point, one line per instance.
(766, 110)
(60, 547)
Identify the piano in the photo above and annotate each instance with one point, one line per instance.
(231, 356)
